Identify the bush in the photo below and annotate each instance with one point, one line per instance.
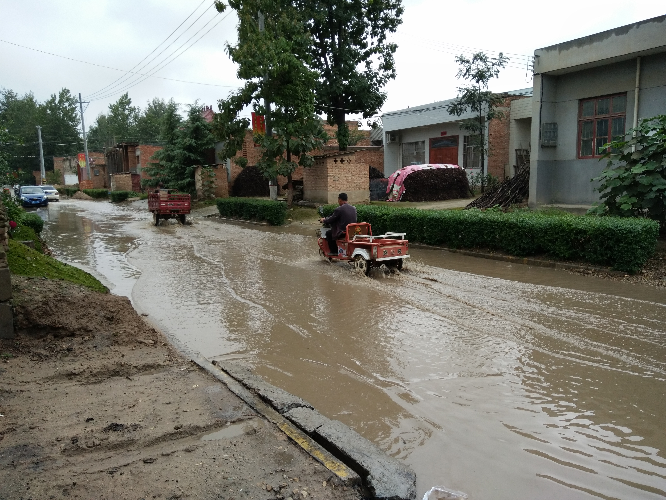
(68, 191)
(436, 184)
(274, 212)
(250, 182)
(25, 261)
(97, 193)
(15, 211)
(26, 233)
(117, 196)
(33, 221)
(623, 243)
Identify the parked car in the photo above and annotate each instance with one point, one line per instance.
(33, 196)
(51, 193)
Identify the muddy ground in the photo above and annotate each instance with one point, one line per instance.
(95, 403)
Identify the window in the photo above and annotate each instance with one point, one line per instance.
(600, 121)
(472, 153)
(413, 153)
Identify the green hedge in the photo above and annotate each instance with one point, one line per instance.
(68, 191)
(274, 212)
(97, 193)
(34, 221)
(117, 196)
(623, 243)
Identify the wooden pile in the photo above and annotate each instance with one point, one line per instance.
(510, 192)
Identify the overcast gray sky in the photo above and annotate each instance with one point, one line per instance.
(119, 34)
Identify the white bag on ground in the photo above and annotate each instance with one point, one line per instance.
(441, 493)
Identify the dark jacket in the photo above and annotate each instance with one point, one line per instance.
(343, 215)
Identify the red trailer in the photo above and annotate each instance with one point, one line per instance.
(166, 205)
(364, 250)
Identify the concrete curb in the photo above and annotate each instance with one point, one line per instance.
(337, 467)
(346, 453)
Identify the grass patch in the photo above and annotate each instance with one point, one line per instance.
(25, 233)
(25, 261)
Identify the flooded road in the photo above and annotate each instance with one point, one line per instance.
(496, 379)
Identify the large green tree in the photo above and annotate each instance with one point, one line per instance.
(187, 146)
(351, 54)
(272, 57)
(118, 125)
(149, 121)
(20, 116)
(475, 97)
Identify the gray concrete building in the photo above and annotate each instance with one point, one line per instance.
(586, 92)
(429, 134)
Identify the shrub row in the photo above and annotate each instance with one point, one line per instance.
(623, 243)
(117, 196)
(68, 191)
(274, 212)
(97, 193)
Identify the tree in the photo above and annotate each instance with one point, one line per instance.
(351, 55)
(476, 98)
(122, 119)
(633, 184)
(149, 121)
(59, 118)
(273, 61)
(20, 116)
(187, 144)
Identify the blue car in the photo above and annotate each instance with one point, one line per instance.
(33, 196)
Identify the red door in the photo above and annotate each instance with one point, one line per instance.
(444, 150)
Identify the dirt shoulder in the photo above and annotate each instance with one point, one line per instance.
(95, 403)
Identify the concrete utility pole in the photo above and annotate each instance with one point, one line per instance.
(41, 155)
(272, 184)
(85, 141)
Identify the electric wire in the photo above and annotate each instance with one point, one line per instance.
(148, 63)
(114, 69)
(166, 61)
(162, 42)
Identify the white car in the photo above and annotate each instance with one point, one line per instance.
(51, 193)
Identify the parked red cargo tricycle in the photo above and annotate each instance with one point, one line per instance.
(364, 250)
(166, 205)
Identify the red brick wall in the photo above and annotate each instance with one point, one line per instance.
(121, 182)
(335, 174)
(370, 155)
(498, 140)
(220, 186)
(146, 153)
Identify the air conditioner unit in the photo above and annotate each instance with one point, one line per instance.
(391, 137)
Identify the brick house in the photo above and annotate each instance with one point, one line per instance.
(365, 153)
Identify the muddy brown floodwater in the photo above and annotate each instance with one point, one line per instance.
(499, 380)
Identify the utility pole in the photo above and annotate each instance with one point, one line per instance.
(272, 184)
(41, 155)
(85, 141)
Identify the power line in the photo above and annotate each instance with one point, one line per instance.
(123, 80)
(166, 61)
(170, 35)
(112, 68)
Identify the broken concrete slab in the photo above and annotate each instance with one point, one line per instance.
(386, 477)
(281, 400)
